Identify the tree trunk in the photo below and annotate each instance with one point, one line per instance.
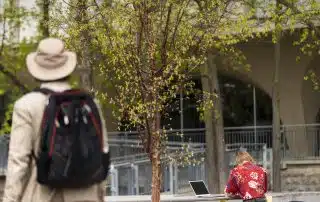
(44, 22)
(218, 126)
(215, 147)
(276, 136)
(85, 69)
(13, 33)
(155, 159)
(156, 174)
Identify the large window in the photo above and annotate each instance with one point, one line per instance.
(241, 106)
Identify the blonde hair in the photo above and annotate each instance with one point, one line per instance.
(243, 156)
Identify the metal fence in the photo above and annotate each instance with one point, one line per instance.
(4, 147)
(131, 169)
(301, 142)
(131, 175)
(135, 178)
(297, 141)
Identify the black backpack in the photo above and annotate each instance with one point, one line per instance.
(71, 148)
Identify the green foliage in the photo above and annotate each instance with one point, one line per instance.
(307, 15)
(6, 126)
(146, 51)
(74, 81)
(13, 52)
(313, 78)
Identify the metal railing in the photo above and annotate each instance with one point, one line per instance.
(131, 169)
(301, 142)
(297, 141)
(4, 148)
(134, 177)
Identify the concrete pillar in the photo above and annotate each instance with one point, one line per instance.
(2, 183)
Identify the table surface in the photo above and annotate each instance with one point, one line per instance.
(143, 198)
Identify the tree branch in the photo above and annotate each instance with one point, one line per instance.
(3, 70)
(44, 22)
(179, 18)
(14, 79)
(290, 5)
(104, 22)
(165, 38)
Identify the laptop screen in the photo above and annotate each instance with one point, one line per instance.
(199, 187)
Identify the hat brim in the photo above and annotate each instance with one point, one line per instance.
(46, 74)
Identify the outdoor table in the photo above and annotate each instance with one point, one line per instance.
(169, 198)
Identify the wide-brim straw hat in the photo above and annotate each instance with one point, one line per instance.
(51, 61)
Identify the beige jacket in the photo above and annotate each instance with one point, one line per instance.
(21, 184)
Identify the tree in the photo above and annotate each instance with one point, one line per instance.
(86, 80)
(10, 22)
(44, 7)
(276, 110)
(147, 51)
(12, 56)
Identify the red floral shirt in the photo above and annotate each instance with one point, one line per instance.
(247, 181)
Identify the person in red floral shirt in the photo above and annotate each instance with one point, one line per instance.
(247, 180)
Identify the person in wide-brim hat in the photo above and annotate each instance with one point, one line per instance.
(51, 65)
(51, 61)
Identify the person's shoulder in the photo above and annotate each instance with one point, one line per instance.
(263, 169)
(237, 169)
(260, 169)
(28, 100)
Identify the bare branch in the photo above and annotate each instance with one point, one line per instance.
(176, 27)
(3, 69)
(107, 28)
(14, 79)
(165, 39)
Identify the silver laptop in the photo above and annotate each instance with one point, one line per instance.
(200, 190)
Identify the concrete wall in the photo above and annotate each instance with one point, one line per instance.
(261, 58)
(303, 175)
(295, 197)
(310, 96)
(299, 103)
(295, 93)
(292, 92)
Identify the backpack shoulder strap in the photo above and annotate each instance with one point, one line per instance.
(78, 91)
(48, 91)
(45, 91)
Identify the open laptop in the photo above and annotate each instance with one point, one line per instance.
(200, 189)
